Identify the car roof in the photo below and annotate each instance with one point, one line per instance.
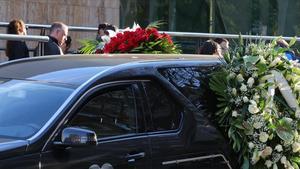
(76, 69)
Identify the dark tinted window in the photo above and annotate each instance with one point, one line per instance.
(193, 82)
(110, 113)
(165, 113)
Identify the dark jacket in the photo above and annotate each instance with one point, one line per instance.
(48, 48)
(17, 50)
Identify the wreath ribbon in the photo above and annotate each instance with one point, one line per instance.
(285, 90)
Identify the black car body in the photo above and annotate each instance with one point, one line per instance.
(109, 111)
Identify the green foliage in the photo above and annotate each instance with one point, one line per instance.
(254, 106)
(89, 46)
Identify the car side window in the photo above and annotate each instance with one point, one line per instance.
(193, 82)
(165, 113)
(111, 112)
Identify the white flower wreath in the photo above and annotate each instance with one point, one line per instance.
(258, 93)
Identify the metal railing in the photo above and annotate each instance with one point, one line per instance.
(174, 34)
(24, 37)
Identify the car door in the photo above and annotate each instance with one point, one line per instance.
(115, 113)
(181, 136)
(172, 129)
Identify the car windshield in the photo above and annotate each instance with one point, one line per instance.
(26, 106)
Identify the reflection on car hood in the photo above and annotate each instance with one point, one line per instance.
(11, 147)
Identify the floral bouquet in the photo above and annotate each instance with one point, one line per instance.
(94, 46)
(139, 40)
(258, 92)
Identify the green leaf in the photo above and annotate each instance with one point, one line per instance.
(248, 128)
(251, 59)
(246, 163)
(156, 24)
(284, 130)
(295, 159)
(293, 41)
(295, 165)
(296, 70)
(89, 46)
(262, 68)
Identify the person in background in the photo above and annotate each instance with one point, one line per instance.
(210, 47)
(224, 43)
(105, 29)
(290, 54)
(67, 45)
(57, 37)
(16, 49)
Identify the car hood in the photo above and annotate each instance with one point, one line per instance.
(12, 147)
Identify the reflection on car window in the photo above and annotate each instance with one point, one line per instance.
(110, 113)
(165, 113)
(193, 83)
(26, 106)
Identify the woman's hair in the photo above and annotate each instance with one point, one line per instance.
(209, 47)
(15, 26)
(105, 27)
(220, 40)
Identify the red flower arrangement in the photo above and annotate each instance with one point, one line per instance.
(140, 40)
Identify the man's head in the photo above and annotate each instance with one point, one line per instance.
(59, 31)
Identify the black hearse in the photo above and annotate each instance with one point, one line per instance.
(109, 111)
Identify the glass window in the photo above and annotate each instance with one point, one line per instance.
(26, 106)
(110, 113)
(165, 113)
(193, 82)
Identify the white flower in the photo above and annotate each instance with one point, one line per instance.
(239, 78)
(257, 125)
(275, 166)
(234, 92)
(268, 163)
(266, 152)
(253, 102)
(245, 99)
(231, 76)
(250, 145)
(254, 74)
(274, 62)
(234, 113)
(105, 39)
(256, 97)
(243, 88)
(283, 160)
(278, 148)
(255, 158)
(250, 82)
(263, 137)
(253, 109)
(296, 147)
(288, 165)
(297, 114)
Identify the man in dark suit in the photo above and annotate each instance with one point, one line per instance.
(58, 36)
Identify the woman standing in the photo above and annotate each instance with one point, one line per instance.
(16, 49)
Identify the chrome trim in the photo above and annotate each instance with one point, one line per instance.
(196, 159)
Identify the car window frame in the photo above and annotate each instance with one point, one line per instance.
(148, 112)
(109, 89)
(56, 132)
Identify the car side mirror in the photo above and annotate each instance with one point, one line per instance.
(75, 136)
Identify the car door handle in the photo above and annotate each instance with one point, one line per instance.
(132, 157)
